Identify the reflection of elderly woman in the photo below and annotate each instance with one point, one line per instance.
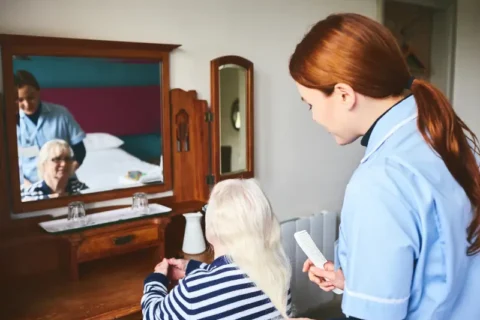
(55, 171)
(250, 276)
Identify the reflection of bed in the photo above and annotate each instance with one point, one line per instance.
(106, 169)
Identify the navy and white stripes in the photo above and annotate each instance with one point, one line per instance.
(216, 291)
(40, 190)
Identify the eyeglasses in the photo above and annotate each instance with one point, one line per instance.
(60, 159)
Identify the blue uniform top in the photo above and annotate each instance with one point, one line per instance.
(54, 122)
(403, 241)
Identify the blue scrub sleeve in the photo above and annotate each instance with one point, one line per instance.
(382, 240)
(340, 250)
(74, 130)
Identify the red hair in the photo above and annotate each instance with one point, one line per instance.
(358, 51)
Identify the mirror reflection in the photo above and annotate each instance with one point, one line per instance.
(233, 134)
(87, 125)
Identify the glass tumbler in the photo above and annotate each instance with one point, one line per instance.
(140, 202)
(76, 211)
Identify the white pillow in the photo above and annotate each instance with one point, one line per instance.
(101, 141)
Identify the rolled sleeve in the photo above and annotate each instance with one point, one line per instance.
(382, 242)
(74, 130)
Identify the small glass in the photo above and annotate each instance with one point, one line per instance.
(140, 203)
(76, 211)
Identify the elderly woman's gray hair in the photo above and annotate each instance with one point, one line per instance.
(240, 218)
(51, 149)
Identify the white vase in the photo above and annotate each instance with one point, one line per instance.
(193, 240)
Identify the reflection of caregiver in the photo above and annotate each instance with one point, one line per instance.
(409, 238)
(40, 122)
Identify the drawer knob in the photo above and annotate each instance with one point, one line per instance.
(123, 240)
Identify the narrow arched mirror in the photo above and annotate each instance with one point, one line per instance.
(232, 105)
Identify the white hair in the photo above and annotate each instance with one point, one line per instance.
(240, 218)
(51, 149)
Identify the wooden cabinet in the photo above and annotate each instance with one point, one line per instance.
(111, 262)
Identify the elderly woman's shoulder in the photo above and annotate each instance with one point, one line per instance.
(31, 188)
(35, 191)
(211, 276)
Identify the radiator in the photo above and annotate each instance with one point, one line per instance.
(323, 229)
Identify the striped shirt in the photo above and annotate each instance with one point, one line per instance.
(40, 190)
(216, 291)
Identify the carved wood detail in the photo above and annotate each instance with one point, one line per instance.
(190, 168)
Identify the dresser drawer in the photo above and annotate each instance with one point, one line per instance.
(117, 242)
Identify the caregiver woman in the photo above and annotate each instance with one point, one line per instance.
(409, 234)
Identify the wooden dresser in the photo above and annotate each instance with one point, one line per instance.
(107, 288)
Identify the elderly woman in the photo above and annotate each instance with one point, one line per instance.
(56, 173)
(250, 276)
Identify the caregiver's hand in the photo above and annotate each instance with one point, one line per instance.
(327, 279)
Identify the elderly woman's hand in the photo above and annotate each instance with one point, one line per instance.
(162, 267)
(177, 268)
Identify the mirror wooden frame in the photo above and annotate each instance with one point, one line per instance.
(215, 108)
(12, 45)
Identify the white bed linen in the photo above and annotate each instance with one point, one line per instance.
(106, 169)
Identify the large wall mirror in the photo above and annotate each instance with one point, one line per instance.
(232, 105)
(85, 122)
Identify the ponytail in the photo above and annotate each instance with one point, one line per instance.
(445, 133)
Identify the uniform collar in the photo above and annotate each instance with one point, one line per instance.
(44, 108)
(366, 137)
(403, 110)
